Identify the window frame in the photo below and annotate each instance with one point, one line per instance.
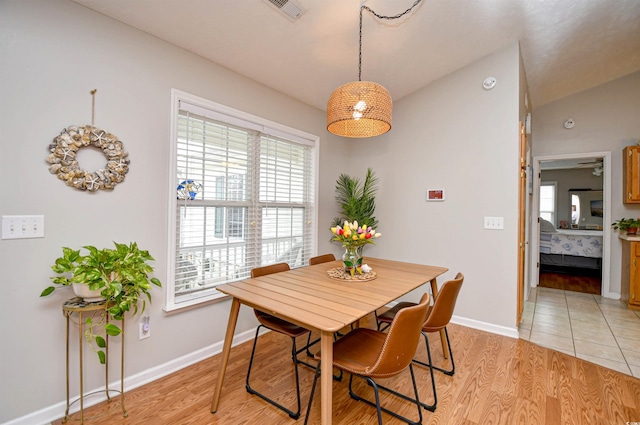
(236, 117)
(554, 212)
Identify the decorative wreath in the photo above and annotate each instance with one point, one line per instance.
(64, 163)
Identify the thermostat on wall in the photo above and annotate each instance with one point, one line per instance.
(435, 195)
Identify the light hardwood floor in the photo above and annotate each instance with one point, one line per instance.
(498, 380)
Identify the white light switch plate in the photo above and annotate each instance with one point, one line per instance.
(494, 223)
(22, 226)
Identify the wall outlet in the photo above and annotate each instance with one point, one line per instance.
(144, 330)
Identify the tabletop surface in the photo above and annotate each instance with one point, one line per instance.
(308, 297)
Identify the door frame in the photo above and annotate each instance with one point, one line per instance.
(606, 234)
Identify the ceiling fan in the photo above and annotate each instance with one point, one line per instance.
(596, 163)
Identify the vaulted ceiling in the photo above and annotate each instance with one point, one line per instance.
(567, 45)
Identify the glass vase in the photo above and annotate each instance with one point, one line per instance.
(352, 260)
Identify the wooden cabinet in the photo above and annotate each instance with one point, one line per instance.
(630, 283)
(631, 178)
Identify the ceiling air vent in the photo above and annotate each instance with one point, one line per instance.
(289, 8)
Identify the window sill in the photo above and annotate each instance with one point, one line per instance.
(195, 302)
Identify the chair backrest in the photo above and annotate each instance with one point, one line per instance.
(401, 341)
(263, 271)
(322, 259)
(443, 305)
(272, 268)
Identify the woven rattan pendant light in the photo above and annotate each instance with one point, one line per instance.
(361, 108)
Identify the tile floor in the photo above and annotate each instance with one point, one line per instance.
(590, 327)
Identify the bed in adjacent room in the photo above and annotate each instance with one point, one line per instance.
(570, 248)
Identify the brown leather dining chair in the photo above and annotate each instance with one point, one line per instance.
(438, 317)
(372, 354)
(283, 327)
(325, 258)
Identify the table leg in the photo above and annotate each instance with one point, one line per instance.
(443, 337)
(326, 376)
(226, 350)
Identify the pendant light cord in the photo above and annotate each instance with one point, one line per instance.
(399, 15)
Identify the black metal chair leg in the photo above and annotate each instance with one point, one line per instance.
(310, 344)
(430, 407)
(313, 390)
(377, 405)
(292, 414)
(450, 372)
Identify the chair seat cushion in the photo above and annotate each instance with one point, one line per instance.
(388, 315)
(357, 351)
(279, 325)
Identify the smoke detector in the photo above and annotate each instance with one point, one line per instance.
(291, 9)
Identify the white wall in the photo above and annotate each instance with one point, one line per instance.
(606, 120)
(52, 54)
(451, 135)
(454, 135)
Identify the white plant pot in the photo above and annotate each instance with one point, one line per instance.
(88, 295)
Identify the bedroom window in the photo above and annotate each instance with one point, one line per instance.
(548, 201)
(255, 204)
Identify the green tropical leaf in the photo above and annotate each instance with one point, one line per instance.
(47, 291)
(112, 330)
(356, 199)
(100, 342)
(102, 357)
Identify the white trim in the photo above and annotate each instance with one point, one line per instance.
(553, 183)
(56, 411)
(606, 234)
(511, 332)
(216, 111)
(49, 414)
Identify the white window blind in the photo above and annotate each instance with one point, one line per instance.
(255, 205)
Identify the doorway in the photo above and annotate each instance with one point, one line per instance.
(561, 217)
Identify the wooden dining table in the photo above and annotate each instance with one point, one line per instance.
(310, 298)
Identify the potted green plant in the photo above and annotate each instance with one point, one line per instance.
(628, 225)
(121, 274)
(357, 200)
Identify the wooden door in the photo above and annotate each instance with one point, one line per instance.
(522, 191)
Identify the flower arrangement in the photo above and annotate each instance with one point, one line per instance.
(353, 235)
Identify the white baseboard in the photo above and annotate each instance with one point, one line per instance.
(488, 327)
(51, 413)
(612, 295)
(47, 415)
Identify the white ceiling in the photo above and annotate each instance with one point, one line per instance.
(567, 45)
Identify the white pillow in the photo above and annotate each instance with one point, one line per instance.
(546, 226)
